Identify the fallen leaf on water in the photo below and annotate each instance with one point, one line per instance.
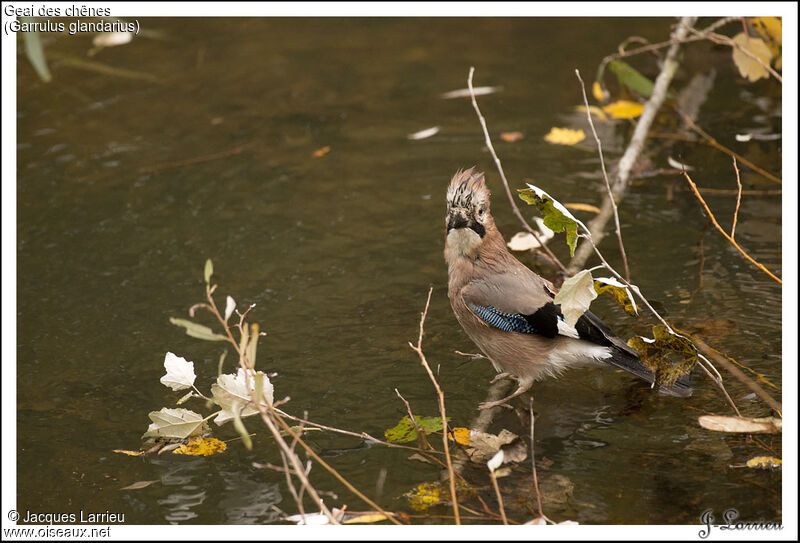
(112, 39)
(564, 136)
(139, 484)
(426, 495)
(594, 110)
(748, 66)
(624, 109)
(461, 435)
(678, 165)
(511, 137)
(129, 453)
(463, 93)
(417, 456)
(583, 207)
(201, 447)
(175, 423)
(365, 518)
(322, 151)
(484, 446)
(180, 372)
(422, 134)
(764, 462)
(741, 425)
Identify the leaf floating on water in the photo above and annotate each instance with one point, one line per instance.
(619, 291)
(322, 151)
(764, 462)
(129, 453)
(748, 66)
(404, 431)
(426, 495)
(197, 330)
(175, 423)
(365, 518)
(741, 425)
(631, 78)
(112, 39)
(426, 133)
(483, 446)
(594, 110)
(583, 207)
(180, 372)
(556, 217)
(201, 447)
(624, 109)
(655, 354)
(464, 93)
(575, 296)
(565, 136)
(139, 484)
(461, 436)
(511, 137)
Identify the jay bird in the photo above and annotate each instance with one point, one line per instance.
(508, 310)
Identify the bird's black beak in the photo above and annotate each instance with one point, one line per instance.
(457, 220)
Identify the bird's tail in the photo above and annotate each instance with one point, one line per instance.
(630, 363)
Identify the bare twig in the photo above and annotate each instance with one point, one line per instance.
(197, 160)
(721, 360)
(420, 435)
(418, 349)
(717, 145)
(738, 199)
(533, 465)
(605, 178)
(499, 497)
(725, 234)
(511, 199)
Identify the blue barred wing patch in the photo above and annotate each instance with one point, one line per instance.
(509, 322)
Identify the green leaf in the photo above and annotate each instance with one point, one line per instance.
(175, 424)
(208, 271)
(405, 431)
(239, 425)
(619, 291)
(656, 354)
(575, 296)
(35, 52)
(556, 216)
(631, 78)
(198, 330)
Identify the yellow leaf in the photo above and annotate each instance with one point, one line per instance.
(594, 110)
(129, 453)
(624, 109)
(748, 66)
(769, 28)
(583, 207)
(202, 447)
(764, 462)
(598, 92)
(366, 518)
(461, 435)
(564, 136)
(426, 495)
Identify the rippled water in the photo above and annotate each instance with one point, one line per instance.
(338, 252)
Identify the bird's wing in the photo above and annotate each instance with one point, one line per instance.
(524, 303)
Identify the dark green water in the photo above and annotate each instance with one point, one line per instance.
(339, 251)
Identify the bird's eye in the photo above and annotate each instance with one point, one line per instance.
(480, 212)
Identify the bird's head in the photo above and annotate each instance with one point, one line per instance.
(468, 216)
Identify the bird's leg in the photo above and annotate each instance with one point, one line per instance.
(499, 376)
(523, 388)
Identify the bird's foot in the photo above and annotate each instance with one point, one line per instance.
(500, 376)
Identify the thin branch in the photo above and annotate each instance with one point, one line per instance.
(418, 349)
(499, 496)
(605, 178)
(717, 145)
(511, 199)
(725, 234)
(420, 435)
(533, 464)
(738, 198)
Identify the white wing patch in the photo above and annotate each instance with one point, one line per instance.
(566, 330)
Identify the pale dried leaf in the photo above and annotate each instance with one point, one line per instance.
(139, 484)
(230, 305)
(426, 133)
(180, 372)
(575, 296)
(230, 392)
(175, 423)
(496, 461)
(464, 93)
(748, 66)
(768, 425)
(112, 39)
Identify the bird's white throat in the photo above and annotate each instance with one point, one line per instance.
(461, 242)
